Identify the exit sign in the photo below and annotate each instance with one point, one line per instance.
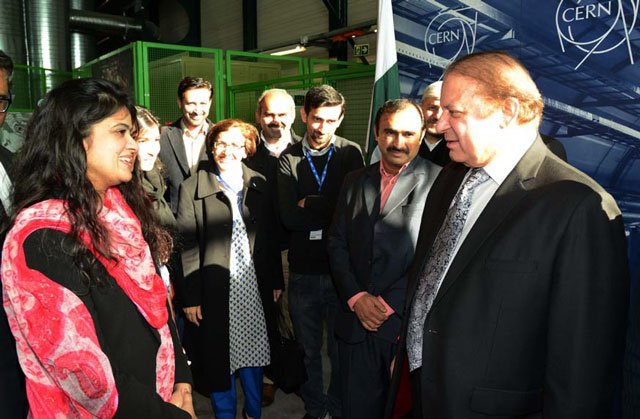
(360, 50)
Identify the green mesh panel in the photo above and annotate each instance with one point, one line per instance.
(167, 66)
(247, 76)
(357, 93)
(118, 68)
(353, 80)
(30, 84)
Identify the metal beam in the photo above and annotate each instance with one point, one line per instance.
(491, 12)
(572, 110)
(623, 165)
(309, 39)
(249, 24)
(337, 20)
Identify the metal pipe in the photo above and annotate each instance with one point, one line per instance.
(12, 39)
(83, 44)
(127, 27)
(48, 34)
(326, 35)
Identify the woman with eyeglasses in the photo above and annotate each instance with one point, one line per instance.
(231, 275)
(84, 301)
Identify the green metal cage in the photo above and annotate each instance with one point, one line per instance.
(152, 71)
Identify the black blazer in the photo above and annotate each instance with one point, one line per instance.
(439, 155)
(531, 315)
(125, 337)
(267, 165)
(263, 162)
(174, 158)
(13, 397)
(631, 387)
(372, 251)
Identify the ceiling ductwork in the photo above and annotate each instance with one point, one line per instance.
(83, 43)
(12, 39)
(127, 27)
(47, 30)
(64, 34)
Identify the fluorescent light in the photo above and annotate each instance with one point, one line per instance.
(294, 50)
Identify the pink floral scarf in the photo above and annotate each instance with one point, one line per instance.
(66, 371)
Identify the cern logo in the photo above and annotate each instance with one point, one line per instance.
(596, 27)
(451, 33)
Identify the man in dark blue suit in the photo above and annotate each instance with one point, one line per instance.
(517, 298)
(13, 399)
(371, 245)
(182, 143)
(433, 146)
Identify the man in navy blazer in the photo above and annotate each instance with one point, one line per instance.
(528, 316)
(371, 244)
(182, 143)
(13, 397)
(433, 146)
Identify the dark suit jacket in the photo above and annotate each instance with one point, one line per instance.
(439, 155)
(267, 165)
(13, 399)
(174, 158)
(128, 341)
(531, 315)
(555, 146)
(264, 163)
(372, 251)
(205, 222)
(631, 387)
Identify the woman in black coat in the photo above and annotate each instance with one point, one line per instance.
(148, 138)
(152, 180)
(84, 302)
(232, 274)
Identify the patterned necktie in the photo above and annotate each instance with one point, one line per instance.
(434, 269)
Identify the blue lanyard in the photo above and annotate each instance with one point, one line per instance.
(319, 180)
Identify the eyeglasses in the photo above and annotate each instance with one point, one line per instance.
(5, 102)
(230, 147)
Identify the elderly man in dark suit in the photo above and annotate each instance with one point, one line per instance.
(371, 245)
(182, 143)
(433, 147)
(518, 301)
(13, 398)
(631, 387)
(275, 112)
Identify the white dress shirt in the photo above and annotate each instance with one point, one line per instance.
(498, 169)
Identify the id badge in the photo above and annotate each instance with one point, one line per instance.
(315, 235)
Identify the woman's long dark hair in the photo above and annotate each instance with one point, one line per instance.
(53, 164)
(147, 120)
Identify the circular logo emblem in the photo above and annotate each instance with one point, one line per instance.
(449, 34)
(596, 27)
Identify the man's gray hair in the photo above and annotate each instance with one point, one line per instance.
(281, 92)
(433, 90)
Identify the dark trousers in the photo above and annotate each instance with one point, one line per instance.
(365, 377)
(416, 392)
(312, 302)
(13, 396)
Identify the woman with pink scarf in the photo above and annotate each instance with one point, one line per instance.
(80, 286)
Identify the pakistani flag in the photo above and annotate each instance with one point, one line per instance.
(387, 84)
